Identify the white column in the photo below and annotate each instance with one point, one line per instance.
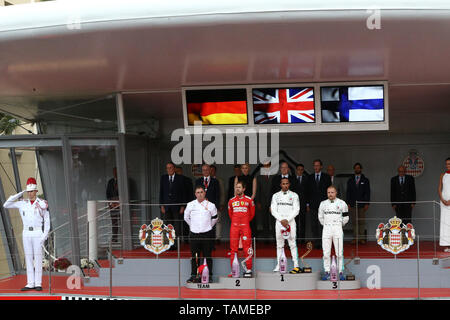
(92, 220)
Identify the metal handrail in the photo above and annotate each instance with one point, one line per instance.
(52, 232)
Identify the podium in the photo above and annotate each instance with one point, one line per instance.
(226, 283)
(274, 281)
(339, 285)
(286, 282)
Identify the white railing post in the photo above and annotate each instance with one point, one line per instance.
(92, 221)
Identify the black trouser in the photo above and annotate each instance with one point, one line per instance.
(315, 227)
(201, 247)
(173, 217)
(404, 212)
(115, 222)
(301, 226)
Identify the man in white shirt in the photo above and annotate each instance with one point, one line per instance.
(201, 216)
(333, 215)
(34, 214)
(285, 207)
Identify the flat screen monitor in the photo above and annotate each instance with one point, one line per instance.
(352, 103)
(217, 106)
(283, 105)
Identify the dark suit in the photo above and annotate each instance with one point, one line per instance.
(316, 193)
(402, 193)
(173, 193)
(358, 192)
(300, 188)
(276, 182)
(212, 191)
(112, 193)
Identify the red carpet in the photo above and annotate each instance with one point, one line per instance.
(10, 290)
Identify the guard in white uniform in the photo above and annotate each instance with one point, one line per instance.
(285, 207)
(34, 213)
(333, 215)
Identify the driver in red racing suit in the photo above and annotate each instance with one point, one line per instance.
(241, 210)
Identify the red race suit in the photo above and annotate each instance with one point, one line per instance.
(241, 211)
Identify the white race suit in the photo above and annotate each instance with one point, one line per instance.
(333, 214)
(286, 206)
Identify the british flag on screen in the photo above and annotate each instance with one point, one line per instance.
(287, 105)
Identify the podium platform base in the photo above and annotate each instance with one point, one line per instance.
(339, 285)
(226, 283)
(286, 282)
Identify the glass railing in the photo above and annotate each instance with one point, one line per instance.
(396, 262)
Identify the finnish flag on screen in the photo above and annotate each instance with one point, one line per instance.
(352, 104)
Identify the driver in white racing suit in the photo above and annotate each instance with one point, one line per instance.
(333, 215)
(285, 207)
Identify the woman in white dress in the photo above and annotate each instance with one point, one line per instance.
(444, 195)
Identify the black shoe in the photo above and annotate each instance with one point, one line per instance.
(192, 279)
(38, 288)
(26, 289)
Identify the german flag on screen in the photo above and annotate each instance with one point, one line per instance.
(226, 106)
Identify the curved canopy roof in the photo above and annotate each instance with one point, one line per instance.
(91, 48)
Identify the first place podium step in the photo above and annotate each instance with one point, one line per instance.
(287, 282)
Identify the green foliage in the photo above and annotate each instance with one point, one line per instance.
(7, 124)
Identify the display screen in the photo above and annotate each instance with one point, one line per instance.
(217, 107)
(283, 105)
(352, 103)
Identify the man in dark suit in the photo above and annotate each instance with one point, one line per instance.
(112, 193)
(172, 191)
(300, 189)
(317, 185)
(210, 184)
(403, 189)
(237, 173)
(358, 189)
(189, 194)
(284, 173)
